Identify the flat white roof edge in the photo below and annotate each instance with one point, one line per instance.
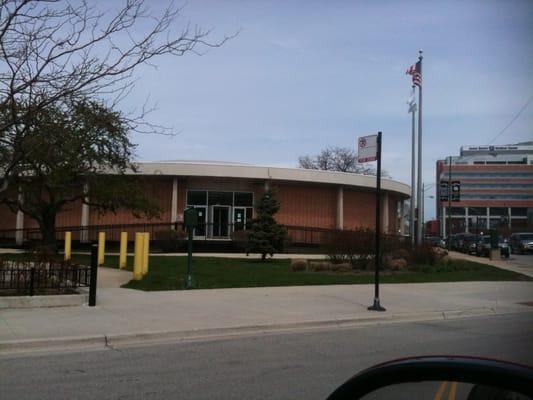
(274, 173)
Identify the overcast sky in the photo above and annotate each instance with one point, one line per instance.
(303, 75)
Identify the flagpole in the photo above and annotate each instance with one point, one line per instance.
(413, 172)
(419, 182)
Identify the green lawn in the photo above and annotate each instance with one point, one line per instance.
(167, 273)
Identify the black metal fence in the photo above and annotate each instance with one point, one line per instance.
(34, 277)
(85, 234)
(171, 233)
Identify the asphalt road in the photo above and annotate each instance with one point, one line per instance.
(304, 364)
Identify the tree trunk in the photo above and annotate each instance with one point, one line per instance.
(47, 226)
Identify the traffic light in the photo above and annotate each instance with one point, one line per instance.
(456, 191)
(443, 192)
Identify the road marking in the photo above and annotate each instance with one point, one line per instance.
(453, 391)
(440, 391)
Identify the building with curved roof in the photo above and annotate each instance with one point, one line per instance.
(225, 194)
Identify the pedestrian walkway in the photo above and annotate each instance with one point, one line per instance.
(8, 250)
(508, 264)
(131, 315)
(112, 277)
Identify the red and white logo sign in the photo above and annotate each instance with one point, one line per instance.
(367, 148)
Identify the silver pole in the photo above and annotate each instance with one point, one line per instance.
(413, 175)
(419, 182)
(422, 205)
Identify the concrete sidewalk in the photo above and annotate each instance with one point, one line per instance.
(128, 316)
(502, 263)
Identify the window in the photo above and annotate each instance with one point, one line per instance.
(457, 211)
(498, 211)
(477, 211)
(220, 198)
(519, 212)
(244, 199)
(197, 197)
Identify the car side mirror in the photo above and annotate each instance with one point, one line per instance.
(431, 377)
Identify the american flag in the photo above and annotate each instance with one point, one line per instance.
(415, 71)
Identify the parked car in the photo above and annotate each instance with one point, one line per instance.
(521, 242)
(483, 246)
(435, 241)
(464, 242)
(456, 241)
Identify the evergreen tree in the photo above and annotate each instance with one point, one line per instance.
(267, 236)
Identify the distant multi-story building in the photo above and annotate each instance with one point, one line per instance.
(496, 189)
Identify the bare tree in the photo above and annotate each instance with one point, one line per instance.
(342, 159)
(53, 51)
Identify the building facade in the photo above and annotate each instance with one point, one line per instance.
(225, 195)
(496, 189)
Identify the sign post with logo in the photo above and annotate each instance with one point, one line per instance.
(369, 149)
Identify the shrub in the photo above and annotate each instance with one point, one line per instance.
(43, 254)
(354, 247)
(424, 255)
(170, 240)
(343, 267)
(298, 264)
(398, 264)
(319, 266)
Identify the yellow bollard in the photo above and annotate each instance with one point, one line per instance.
(138, 257)
(146, 252)
(101, 248)
(68, 245)
(122, 263)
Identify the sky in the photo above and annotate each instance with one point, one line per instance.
(304, 75)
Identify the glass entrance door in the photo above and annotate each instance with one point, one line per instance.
(239, 218)
(200, 230)
(220, 225)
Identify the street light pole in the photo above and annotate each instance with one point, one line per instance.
(424, 188)
(449, 200)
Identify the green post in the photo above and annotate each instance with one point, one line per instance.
(191, 221)
(189, 280)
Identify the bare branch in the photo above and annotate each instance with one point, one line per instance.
(55, 51)
(341, 159)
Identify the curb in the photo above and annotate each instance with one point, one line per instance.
(60, 300)
(103, 341)
(51, 344)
